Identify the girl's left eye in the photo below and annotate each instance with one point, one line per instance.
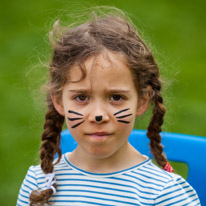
(82, 98)
(116, 98)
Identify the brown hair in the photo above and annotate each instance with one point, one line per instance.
(113, 32)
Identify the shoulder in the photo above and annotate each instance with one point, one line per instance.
(62, 165)
(29, 184)
(151, 174)
(37, 173)
(167, 188)
(174, 189)
(30, 178)
(35, 180)
(177, 191)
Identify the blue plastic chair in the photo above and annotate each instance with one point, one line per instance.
(187, 149)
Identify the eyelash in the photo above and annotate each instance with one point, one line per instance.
(111, 98)
(77, 97)
(121, 98)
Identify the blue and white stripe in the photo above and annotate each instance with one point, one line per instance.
(144, 184)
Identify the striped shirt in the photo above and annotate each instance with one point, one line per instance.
(143, 184)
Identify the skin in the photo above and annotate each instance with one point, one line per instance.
(103, 146)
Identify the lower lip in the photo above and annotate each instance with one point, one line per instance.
(99, 136)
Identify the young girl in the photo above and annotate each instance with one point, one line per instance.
(102, 76)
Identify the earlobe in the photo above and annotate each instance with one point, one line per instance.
(57, 102)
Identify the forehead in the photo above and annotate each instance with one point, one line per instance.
(107, 68)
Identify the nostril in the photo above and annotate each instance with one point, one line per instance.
(98, 118)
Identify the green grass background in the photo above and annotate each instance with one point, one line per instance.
(175, 30)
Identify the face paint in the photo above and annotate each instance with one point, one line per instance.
(127, 115)
(73, 112)
(76, 125)
(121, 111)
(74, 119)
(123, 116)
(98, 118)
(122, 121)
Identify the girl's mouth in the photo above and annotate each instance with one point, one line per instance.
(99, 135)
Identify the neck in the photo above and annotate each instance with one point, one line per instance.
(122, 159)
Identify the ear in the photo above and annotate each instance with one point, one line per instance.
(142, 106)
(58, 105)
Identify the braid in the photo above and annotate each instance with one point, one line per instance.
(154, 128)
(50, 145)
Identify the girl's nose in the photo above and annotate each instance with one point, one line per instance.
(98, 115)
(98, 118)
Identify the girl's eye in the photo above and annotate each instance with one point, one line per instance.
(116, 98)
(82, 98)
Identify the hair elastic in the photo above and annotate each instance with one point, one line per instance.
(50, 178)
(168, 167)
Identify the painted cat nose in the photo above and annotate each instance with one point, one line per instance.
(98, 118)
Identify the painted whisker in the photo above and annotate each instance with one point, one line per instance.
(123, 121)
(73, 112)
(73, 119)
(127, 115)
(124, 110)
(76, 125)
(122, 116)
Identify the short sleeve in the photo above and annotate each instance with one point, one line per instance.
(177, 192)
(29, 184)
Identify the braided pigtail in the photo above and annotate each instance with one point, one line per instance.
(50, 145)
(154, 128)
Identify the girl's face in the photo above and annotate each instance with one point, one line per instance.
(100, 110)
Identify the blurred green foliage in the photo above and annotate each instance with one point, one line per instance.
(175, 30)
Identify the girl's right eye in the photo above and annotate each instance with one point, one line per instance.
(81, 98)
